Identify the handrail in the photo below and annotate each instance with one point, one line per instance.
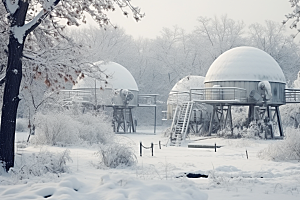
(190, 106)
(292, 95)
(174, 121)
(212, 93)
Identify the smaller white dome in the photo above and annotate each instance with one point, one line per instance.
(187, 83)
(245, 64)
(118, 78)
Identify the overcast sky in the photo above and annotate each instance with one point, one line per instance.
(184, 13)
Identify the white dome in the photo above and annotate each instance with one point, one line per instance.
(245, 64)
(187, 83)
(119, 78)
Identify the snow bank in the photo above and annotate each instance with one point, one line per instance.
(109, 187)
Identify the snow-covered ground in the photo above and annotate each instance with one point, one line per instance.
(231, 174)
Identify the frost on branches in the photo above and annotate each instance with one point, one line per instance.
(294, 16)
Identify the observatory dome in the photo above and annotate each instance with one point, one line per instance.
(187, 83)
(118, 78)
(245, 64)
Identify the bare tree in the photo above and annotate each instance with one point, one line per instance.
(220, 34)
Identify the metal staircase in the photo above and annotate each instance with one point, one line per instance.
(180, 123)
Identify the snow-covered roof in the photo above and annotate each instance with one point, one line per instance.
(119, 78)
(187, 83)
(245, 64)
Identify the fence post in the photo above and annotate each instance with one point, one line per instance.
(152, 148)
(159, 145)
(141, 149)
(215, 147)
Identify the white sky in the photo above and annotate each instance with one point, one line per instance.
(184, 13)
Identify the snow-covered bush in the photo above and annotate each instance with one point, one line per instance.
(239, 116)
(288, 149)
(115, 154)
(55, 129)
(94, 129)
(62, 129)
(253, 131)
(22, 124)
(290, 115)
(40, 164)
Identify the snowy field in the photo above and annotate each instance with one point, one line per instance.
(230, 174)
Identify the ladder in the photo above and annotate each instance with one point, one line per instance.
(180, 123)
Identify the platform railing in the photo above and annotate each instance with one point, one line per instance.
(76, 95)
(210, 94)
(292, 95)
(220, 94)
(147, 100)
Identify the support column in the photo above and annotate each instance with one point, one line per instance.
(124, 119)
(250, 114)
(279, 121)
(270, 120)
(228, 118)
(211, 120)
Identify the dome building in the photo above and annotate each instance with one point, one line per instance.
(251, 69)
(242, 76)
(110, 85)
(180, 92)
(246, 76)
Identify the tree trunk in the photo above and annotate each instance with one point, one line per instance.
(10, 102)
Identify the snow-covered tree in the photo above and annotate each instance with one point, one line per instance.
(272, 38)
(23, 17)
(105, 44)
(294, 16)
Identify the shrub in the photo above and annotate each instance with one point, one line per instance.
(55, 129)
(116, 155)
(40, 164)
(288, 149)
(95, 129)
(290, 115)
(62, 129)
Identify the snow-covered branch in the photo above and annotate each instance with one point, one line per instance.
(11, 6)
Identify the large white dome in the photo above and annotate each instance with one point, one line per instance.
(119, 78)
(245, 64)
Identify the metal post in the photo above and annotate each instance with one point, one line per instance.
(159, 145)
(152, 148)
(141, 149)
(154, 119)
(215, 147)
(125, 121)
